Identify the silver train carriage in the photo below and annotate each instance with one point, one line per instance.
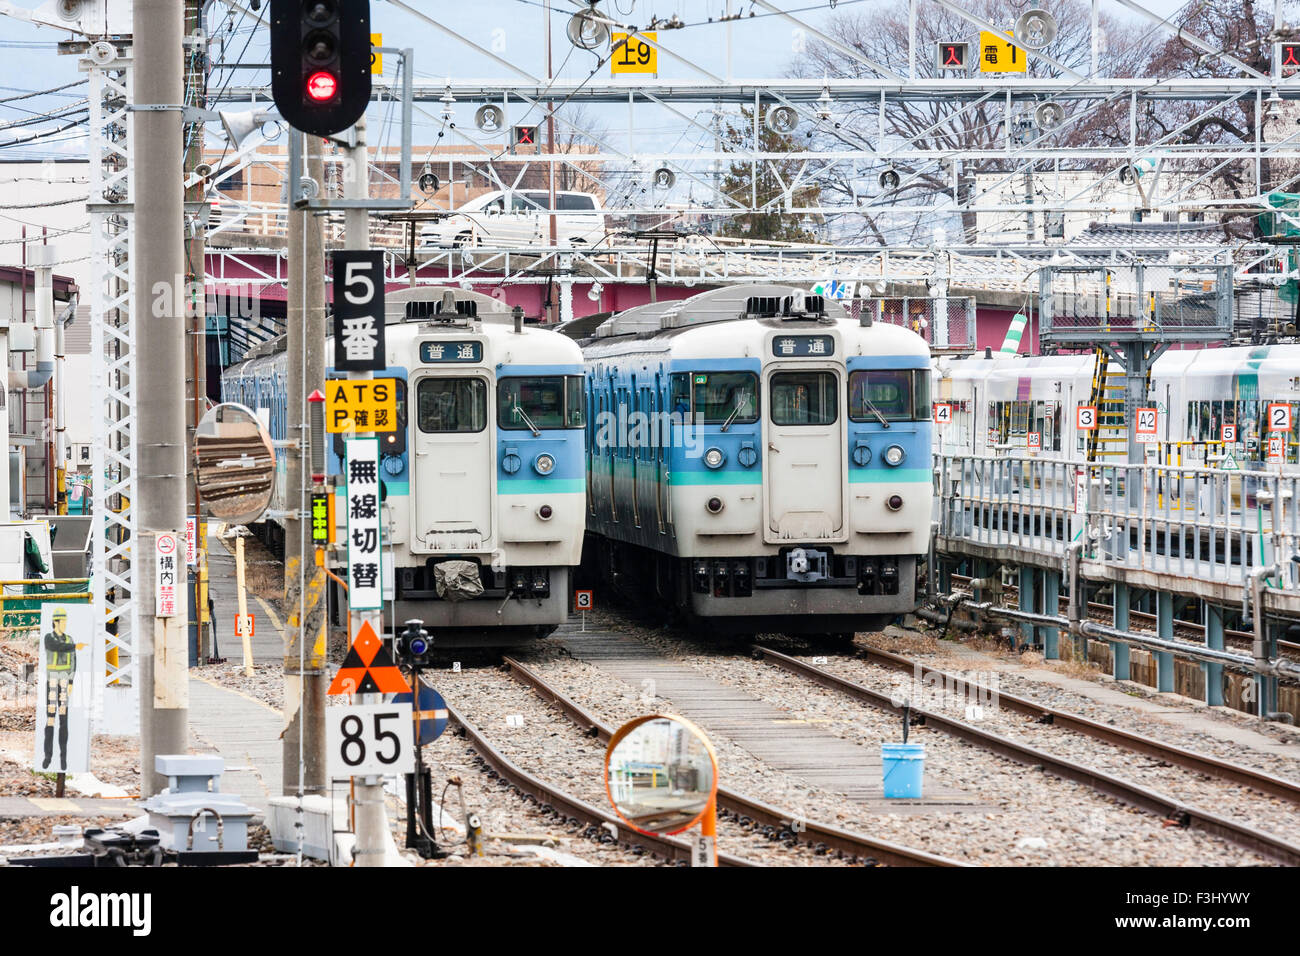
(484, 505)
(759, 461)
(1000, 405)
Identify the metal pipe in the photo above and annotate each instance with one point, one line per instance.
(43, 269)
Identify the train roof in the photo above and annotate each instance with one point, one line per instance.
(729, 303)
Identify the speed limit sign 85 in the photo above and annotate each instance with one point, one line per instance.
(369, 740)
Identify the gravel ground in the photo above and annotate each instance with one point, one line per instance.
(1264, 812)
(502, 812)
(550, 746)
(1077, 826)
(266, 684)
(1015, 676)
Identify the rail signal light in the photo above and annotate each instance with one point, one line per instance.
(1287, 57)
(952, 56)
(525, 136)
(320, 63)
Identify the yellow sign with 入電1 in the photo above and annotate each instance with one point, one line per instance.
(376, 58)
(634, 53)
(996, 55)
(363, 405)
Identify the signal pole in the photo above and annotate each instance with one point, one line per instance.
(158, 27)
(304, 583)
(369, 813)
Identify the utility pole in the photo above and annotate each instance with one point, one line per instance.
(304, 583)
(550, 143)
(369, 814)
(158, 27)
(196, 87)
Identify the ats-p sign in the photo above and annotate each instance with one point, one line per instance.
(363, 405)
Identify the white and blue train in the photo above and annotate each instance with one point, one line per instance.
(484, 504)
(759, 461)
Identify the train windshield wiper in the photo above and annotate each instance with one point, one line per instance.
(740, 405)
(528, 421)
(875, 411)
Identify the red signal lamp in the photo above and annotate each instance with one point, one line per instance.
(322, 86)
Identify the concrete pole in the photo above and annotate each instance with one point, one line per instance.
(304, 583)
(160, 372)
(369, 814)
(5, 514)
(197, 378)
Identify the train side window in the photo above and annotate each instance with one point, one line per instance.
(452, 405)
(679, 396)
(721, 397)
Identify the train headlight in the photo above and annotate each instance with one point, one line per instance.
(545, 512)
(714, 458)
(894, 502)
(544, 464)
(713, 505)
(894, 455)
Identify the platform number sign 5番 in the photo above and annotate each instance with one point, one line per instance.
(1148, 421)
(942, 413)
(1279, 417)
(369, 740)
(358, 328)
(1085, 418)
(1228, 434)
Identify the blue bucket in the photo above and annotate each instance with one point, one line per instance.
(902, 767)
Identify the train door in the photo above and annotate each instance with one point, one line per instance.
(662, 433)
(634, 449)
(804, 455)
(615, 446)
(453, 457)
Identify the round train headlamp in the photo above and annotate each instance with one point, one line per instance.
(894, 455)
(393, 465)
(511, 463)
(544, 464)
(894, 502)
(714, 458)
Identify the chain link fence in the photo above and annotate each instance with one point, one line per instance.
(943, 323)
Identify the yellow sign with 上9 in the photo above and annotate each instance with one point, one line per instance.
(634, 53)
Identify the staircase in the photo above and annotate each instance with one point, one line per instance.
(1110, 438)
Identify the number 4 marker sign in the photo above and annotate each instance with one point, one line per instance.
(942, 413)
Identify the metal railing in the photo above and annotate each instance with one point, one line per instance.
(1193, 523)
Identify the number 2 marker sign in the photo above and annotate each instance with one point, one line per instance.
(1085, 418)
(1279, 417)
(1147, 421)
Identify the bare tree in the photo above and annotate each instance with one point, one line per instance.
(880, 34)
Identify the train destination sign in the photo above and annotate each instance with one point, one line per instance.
(432, 353)
(803, 346)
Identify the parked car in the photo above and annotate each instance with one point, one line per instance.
(521, 217)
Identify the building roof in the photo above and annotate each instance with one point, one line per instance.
(64, 287)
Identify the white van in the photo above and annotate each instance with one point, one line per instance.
(519, 218)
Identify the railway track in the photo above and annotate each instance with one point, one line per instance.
(747, 812)
(1265, 783)
(575, 810)
(1174, 811)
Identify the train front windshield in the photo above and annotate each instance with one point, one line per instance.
(895, 394)
(540, 401)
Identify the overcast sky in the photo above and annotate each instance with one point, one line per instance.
(762, 46)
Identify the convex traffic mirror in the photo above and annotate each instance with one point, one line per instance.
(234, 464)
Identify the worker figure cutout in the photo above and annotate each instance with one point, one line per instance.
(66, 715)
